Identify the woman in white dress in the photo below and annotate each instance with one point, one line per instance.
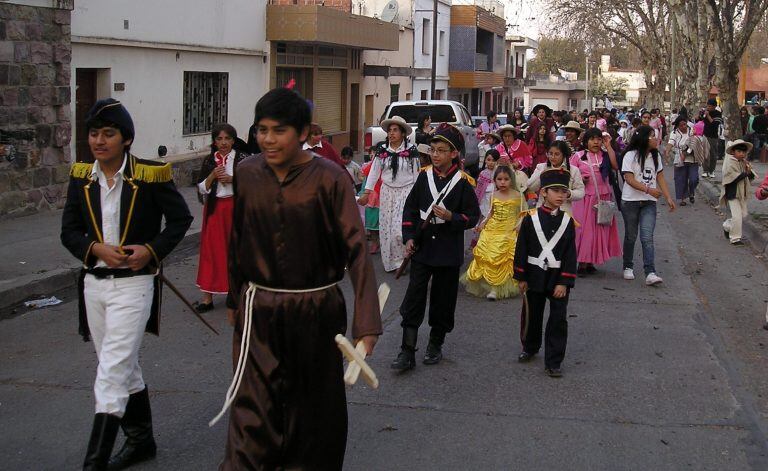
(396, 164)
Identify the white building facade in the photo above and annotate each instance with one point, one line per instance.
(174, 64)
(422, 48)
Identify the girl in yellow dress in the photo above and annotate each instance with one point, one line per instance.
(490, 272)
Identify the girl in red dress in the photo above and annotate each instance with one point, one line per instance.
(215, 184)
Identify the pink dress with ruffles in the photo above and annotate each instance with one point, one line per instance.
(595, 244)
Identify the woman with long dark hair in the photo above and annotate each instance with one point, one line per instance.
(558, 154)
(644, 183)
(215, 184)
(595, 243)
(396, 163)
(424, 129)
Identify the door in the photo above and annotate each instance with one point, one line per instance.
(329, 104)
(354, 116)
(85, 98)
(368, 110)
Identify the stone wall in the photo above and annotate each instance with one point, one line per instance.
(35, 123)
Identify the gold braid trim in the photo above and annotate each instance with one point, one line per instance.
(81, 170)
(468, 178)
(154, 254)
(153, 173)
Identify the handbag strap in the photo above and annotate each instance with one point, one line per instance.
(594, 178)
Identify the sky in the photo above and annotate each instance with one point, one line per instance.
(525, 14)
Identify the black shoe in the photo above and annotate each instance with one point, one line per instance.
(692, 200)
(102, 440)
(433, 355)
(406, 360)
(727, 236)
(139, 443)
(525, 357)
(553, 372)
(591, 270)
(203, 307)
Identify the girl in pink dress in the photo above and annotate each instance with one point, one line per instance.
(595, 243)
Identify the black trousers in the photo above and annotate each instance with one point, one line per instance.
(442, 298)
(556, 334)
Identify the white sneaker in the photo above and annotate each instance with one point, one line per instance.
(491, 296)
(653, 279)
(629, 274)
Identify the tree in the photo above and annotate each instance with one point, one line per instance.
(558, 53)
(693, 40)
(614, 87)
(642, 24)
(733, 22)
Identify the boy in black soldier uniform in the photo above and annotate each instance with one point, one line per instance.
(112, 222)
(545, 267)
(437, 246)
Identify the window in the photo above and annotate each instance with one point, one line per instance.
(394, 92)
(424, 94)
(438, 94)
(426, 46)
(439, 113)
(442, 43)
(205, 101)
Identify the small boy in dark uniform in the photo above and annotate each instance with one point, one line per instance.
(545, 267)
(443, 196)
(112, 221)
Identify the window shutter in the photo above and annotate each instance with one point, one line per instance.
(328, 100)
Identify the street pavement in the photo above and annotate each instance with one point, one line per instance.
(670, 377)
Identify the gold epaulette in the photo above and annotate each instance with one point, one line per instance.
(153, 173)
(575, 222)
(469, 178)
(425, 168)
(81, 170)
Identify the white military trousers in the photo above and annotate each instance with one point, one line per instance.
(117, 310)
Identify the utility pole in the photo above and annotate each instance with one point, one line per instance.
(586, 88)
(434, 52)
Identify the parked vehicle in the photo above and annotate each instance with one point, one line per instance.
(476, 120)
(442, 111)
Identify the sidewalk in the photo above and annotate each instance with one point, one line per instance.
(35, 264)
(756, 224)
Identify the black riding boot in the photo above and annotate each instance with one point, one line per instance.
(137, 425)
(406, 359)
(434, 351)
(102, 440)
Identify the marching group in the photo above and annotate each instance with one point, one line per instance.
(282, 227)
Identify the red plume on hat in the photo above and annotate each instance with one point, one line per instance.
(291, 83)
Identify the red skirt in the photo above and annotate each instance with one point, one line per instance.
(212, 276)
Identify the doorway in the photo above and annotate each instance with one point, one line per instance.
(354, 116)
(85, 98)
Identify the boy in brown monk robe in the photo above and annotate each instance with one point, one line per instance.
(296, 227)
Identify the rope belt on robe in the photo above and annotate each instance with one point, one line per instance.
(245, 341)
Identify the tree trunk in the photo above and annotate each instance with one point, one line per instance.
(727, 81)
(702, 64)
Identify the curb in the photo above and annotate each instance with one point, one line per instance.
(758, 238)
(65, 279)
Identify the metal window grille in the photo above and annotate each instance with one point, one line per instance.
(206, 95)
(394, 92)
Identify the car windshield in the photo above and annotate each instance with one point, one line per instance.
(411, 113)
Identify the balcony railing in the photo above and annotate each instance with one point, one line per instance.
(481, 62)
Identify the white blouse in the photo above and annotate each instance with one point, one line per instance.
(223, 190)
(407, 170)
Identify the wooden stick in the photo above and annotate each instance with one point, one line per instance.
(353, 356)
(353, 370)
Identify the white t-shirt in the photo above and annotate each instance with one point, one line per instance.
(646, 176)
